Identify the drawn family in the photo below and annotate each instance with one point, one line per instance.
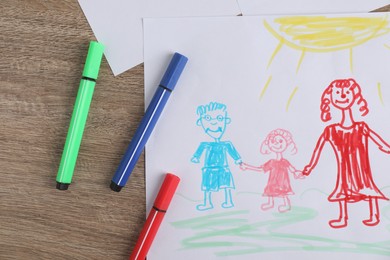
(348, 138)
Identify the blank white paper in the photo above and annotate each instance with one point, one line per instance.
(118, 23)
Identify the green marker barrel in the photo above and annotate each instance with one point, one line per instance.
(79, 115)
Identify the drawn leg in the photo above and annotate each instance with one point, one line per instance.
(286, 205)
(342, 221)
(374, 213)
(207, 204)
(269, 204)
(228, 199)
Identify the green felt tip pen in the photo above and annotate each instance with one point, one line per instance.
(79, 116)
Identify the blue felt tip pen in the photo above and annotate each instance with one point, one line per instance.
(148, 122)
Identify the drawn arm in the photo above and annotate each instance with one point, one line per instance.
(196, 157)
(315, 156)
(233, 153)
(245, 166)
(382, 145)
(297, 174)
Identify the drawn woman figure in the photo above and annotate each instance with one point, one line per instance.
(349, 140)
(278, 184)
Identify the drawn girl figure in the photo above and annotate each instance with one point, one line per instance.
(349, 140)
(216, 175)
(277, 142)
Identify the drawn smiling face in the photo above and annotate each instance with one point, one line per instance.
(214, 123)
(278, 144)
(342, 97)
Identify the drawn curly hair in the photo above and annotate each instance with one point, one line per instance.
(264, 149)
(342, 83)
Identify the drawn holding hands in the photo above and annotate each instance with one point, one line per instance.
(245, 166)
(238, 162)
(298, 175)
(307, 170)
(195, 160)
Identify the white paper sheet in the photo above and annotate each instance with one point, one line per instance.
(270, 74)
(118, 23)
(264, 7)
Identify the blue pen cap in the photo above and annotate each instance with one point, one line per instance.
(174, 71)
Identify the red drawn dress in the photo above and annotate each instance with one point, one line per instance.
(278, 181)
(354, 177)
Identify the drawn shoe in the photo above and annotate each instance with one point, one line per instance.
(371, 221)
(266, 206)
(338, 223)
(227, 205)
(203, 207)
(284, 208)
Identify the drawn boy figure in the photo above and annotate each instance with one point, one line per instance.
(216, 174)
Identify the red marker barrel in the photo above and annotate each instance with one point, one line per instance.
(155, 217)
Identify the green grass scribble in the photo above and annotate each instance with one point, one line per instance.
(231, 234)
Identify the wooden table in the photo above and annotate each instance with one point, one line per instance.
(43, 45)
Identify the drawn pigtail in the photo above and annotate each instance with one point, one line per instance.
(325, 103)
(360, 101)
(264, 149)
(294, 148)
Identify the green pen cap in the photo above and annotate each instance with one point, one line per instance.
(94, 58)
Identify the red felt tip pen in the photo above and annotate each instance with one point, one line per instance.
(155, 217)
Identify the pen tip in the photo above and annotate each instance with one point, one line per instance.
(115, 187)
(62, 186)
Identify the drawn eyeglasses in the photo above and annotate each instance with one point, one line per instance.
(209, 118)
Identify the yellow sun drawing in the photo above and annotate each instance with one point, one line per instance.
(321, 34)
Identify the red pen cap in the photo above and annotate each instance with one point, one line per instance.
(166, 192)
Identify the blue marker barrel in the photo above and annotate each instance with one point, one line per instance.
(148, 122)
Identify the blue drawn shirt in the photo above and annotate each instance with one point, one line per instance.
(216, 153)
(216, 174)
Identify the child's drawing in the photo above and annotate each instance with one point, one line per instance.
(278, 186)
(216, 175)
(349, 140)
(293, 82)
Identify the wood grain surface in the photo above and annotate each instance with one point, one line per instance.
(43, 45)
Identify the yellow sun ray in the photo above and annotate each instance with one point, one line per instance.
(387, 46)
(290, 98)
(274, 53)
(380, 93)
(265, 87)
(300, 60)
